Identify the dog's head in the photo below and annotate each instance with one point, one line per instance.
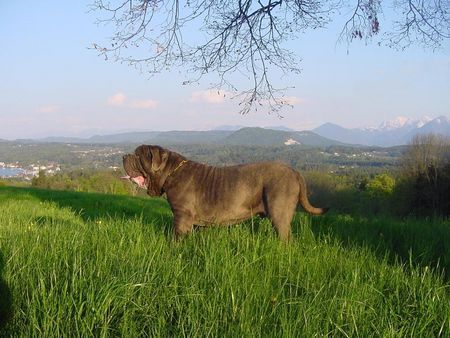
(145, 167)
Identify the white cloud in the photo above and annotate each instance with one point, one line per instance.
(120, 100)
(144, 104)
(117, 99)
(292, 100)
(209, 96)
(48, 109)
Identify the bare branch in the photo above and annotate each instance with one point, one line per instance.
(246, 37)
(424, 22)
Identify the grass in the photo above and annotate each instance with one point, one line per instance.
(79, 264)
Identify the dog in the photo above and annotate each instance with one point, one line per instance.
(204, 195)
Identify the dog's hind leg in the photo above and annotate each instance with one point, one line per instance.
(282, 225)
(280, 212)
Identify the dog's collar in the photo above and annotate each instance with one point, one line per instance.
(178, 167)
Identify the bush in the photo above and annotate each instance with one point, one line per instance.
(403, 197)
(431, 192)
(378, 194)
(333, 191)
(381, 186)
(351, 194)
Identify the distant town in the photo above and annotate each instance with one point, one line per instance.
(29, 171)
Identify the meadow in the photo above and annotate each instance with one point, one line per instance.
(85, 264)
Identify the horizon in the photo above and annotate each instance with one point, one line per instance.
(88, 134)
(54, 85)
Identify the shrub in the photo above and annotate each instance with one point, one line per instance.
(381, 186)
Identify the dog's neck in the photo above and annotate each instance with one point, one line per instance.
(176, 163)
(183, 162)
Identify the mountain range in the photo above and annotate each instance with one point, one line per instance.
(249, 136)
(391, 133)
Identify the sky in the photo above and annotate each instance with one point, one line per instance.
(53, 84)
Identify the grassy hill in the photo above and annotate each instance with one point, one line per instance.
(80, 264)
(270, 137)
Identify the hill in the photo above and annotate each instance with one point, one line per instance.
(269, 137)
(89, 264)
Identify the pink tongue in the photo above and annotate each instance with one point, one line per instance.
(140, 180)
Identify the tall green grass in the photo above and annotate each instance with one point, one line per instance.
(79, 264)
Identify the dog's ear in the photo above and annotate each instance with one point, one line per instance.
(145, 157)
(160, 157)
(153, 158)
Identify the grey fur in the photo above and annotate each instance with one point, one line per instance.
(205, 195)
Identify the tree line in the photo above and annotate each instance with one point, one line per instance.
(419, 185)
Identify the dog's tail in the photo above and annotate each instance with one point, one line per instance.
(303, 199)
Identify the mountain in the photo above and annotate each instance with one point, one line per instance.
(310, 138)
(268, 137)
(390, 133)
(362, 136)
(129, 137)
(336, 132)
(402, 122)
(254, 136)
(440, 125)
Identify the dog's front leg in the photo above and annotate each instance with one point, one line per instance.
(182, 225)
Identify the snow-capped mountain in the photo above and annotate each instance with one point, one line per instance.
(439, 125)
(403, 122)
(389, 133)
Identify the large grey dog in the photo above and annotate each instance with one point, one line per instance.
(205, 195)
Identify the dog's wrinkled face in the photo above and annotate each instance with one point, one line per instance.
(134, 170)
(145, 166)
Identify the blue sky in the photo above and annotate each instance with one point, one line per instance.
(52, 84)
